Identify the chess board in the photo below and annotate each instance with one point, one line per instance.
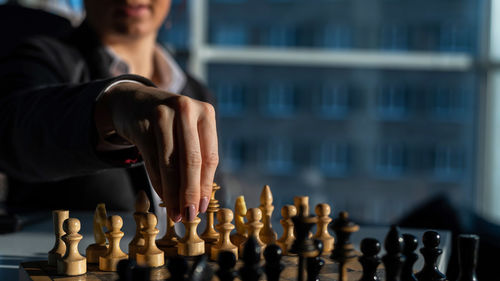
(40, 271)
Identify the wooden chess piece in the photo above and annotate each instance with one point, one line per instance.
(168, 243)
(99, 248)
(370, 260)
(210, 236)
(191, 244)
(254, 226)
(343, 251)
(59, 249)
(142, 205)
(240, 212)
(410, 245)
(267, 235)
(109, 261)
(303, 245)
(178, 268)
(150, 255)
(393, 259)
(286, 240)
(468, 245)
(72, 263)
(224, 217)
(226, 262)
(323, 213)
(431, 252)
(274, 266)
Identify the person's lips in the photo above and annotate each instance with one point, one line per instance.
(136, 10)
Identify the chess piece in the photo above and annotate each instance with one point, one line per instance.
(168, 243)
(251, 270)
(468, 245)
(323, 213)
(254, 226)
(226, 262)
(267, 234)
(59, 249)
(410, 245)
(178, 268)
(99, 248)
(393, 259)
(370, 260)
(201, 270)
(303, 245)
(210, 236)
(343, 251)
(124, 270)
(286, 240)
(274, 266)
(240, 212)
(431, 252)
(142, 205)
(149, 255)
(72, 263)
(191, 244)
(315, 264)
(109, 261)
(224, 217)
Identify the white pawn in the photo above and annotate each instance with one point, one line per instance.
(109, 261)
(72, 263)
(323, 212)
(150, 255)
(288, 237)
(224, 217)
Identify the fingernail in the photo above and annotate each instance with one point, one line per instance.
(177, 218)
(203, 204)
(174, 214)
(190, 213)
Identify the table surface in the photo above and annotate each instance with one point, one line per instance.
(36, 239)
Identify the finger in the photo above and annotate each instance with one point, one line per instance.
(189, 156)
(210, 154)
(147, 149)
(167, 164)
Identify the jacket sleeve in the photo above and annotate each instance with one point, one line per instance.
(47, 130)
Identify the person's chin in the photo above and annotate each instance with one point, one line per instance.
(134, 30)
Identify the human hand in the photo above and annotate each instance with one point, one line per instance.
(176, 136)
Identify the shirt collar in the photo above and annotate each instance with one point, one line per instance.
(172, 77)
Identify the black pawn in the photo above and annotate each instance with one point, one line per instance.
(370, 260)
(273, 266)
(431, 252)
(251, 270)
(141, 273)
(411, 244)
(393, 259)
(226, 261)
(315, 264)
(178, 268)
(467, 256)
(124, 269)
(201, 270)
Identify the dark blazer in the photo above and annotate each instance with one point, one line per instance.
(48, 88)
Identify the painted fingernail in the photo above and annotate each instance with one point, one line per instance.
(174, 214)
(190, 213)
(203, 204)
(177, 218)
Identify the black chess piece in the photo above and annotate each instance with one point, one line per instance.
(343, 251)
(315, 264)
(393, 259)
(141, 273)
(431, 252)
(410, 245)
(370, 247)
(178, 268)
(468, 245)
(226, 261)
(201, 270)
(124, 269)
(274, 266)
(251, 270)
(303, 246)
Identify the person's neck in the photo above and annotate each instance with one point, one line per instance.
(138, 53)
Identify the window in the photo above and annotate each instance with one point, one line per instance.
(230, 34)
(391, 160)
(448, 162)
(393, 102)
(335, 36)
(278, 156)
(394, 37)
(233, 151)
(448, 103)
(279, 99)
(334, 158)
(334, 101)
(230, 101)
